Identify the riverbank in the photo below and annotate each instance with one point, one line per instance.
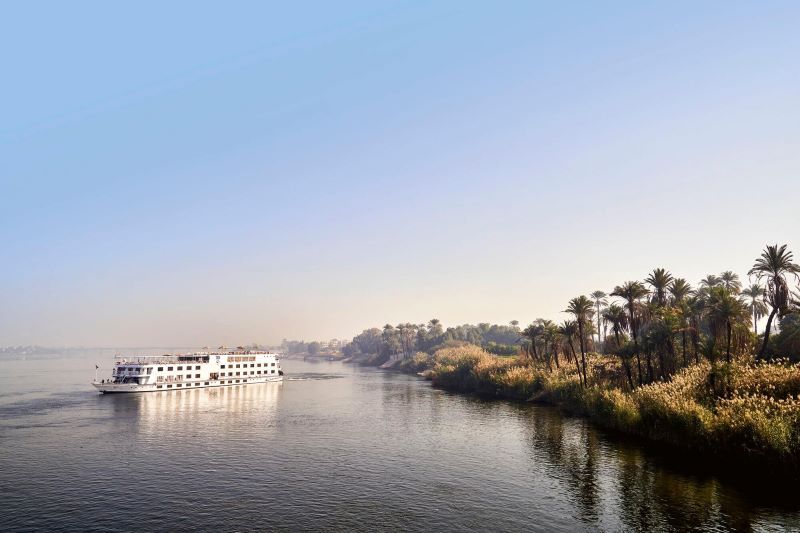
(744, 411)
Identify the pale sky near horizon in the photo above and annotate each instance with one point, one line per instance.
(207, 173)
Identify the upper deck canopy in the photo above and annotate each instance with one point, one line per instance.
(193, 357)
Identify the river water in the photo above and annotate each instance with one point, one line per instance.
(335, 448)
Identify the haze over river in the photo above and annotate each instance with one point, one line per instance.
(334, 447)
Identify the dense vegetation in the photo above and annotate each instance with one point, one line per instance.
(740, 408)
(665, 360)
(376, 346)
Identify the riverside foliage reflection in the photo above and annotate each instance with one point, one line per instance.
(338, 447)
(650, 490)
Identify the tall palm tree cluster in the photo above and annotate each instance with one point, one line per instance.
(662, 324)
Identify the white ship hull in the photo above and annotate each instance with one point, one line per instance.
(197, 370)
(113, 388)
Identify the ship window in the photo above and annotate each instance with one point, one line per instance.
(238, 373)
(206, 383)
(252, 372)
(222, 366)
(273, 364)
(197, 368)
(238, 366)
(237, 381)
(198, 375)
(252, 365)
(169, 386)
(159, 386)
(179, 385)
(150, 370)
(161, 369)
(273, 370)
(180, 368)
(169, 368)
(259, 364)
(259, 371)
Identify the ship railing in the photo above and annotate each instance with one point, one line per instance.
(175, 359)
(158, 359)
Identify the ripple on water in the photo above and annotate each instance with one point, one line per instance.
(340, 449)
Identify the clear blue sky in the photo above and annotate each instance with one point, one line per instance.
(200, 173)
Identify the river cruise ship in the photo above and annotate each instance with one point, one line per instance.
(191, 371)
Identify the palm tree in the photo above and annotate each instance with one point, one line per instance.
(665, 322)
(619, 322)
(541, 324)
(568, 329)
(599, 298)
(710, 281)
(758, 308)
(724, 310)
(694, 306)
(549, 332)
(680, 290)
(557, 340)
(632, 292)
(659, 279)
(391, 340)
(730, 280)
(774, 265)
(581, 308)
(407, 334)
(531, 333)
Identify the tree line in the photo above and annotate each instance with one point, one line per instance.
(655, 326)
(406, 338)
(663, 323)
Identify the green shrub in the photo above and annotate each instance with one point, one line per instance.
(418, 362)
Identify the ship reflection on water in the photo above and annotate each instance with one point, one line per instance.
(209, 411)
(341, 448)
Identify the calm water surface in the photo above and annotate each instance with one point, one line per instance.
(334, 447)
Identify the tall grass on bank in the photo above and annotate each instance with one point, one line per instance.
(742, 408)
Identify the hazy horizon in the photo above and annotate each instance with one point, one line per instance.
(218, 175)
